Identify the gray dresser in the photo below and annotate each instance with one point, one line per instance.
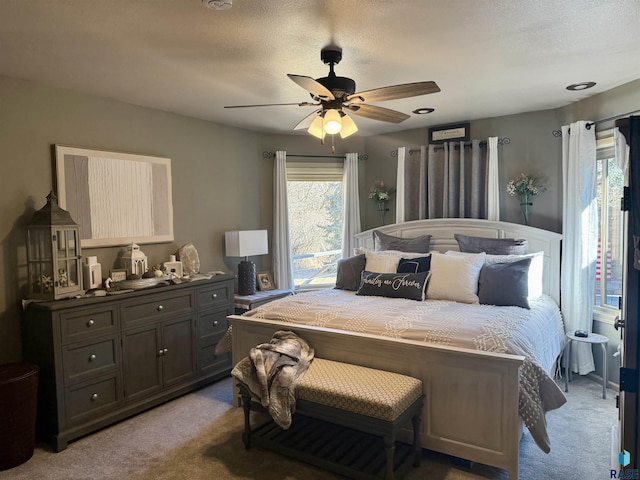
(103, 359)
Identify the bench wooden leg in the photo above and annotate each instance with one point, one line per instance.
(417, 448)
(246, 407)
(389, 448)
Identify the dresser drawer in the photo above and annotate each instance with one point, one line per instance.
(160, 306)
(92, 399)
(83, 360)
(212, 323)
(84, 324)
(209, 362)
(215, 295)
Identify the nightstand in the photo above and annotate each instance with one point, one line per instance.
(593, 339)
(244, 303)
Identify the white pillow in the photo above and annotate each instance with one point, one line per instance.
(385, 261)
(536, 269)
(455, 277)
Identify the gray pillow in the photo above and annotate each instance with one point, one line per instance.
(382, 241)
(349, 272)
(492, 246)
(395, 285)
(505, 284)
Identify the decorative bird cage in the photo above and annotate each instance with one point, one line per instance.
(134, 261)
(53, 253)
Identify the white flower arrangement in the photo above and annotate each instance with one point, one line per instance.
(381, 193)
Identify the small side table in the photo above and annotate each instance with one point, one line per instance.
(244, 303)
(593, 338)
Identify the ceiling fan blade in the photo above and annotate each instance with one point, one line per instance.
(395, 92)
(299, 104)
(306, 121)
(314, 88)
(377, 113)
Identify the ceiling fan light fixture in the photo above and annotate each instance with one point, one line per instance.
(316, 128)
(349, 127)
(332, 122)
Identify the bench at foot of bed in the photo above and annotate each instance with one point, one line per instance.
(347, 420)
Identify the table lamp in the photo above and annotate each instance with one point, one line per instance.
(246, 243)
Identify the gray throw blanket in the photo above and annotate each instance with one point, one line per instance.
(271, 372)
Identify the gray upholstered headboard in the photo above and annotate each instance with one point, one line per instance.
(442, 232)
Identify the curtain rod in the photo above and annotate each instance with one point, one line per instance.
(501, 141)
(558, 132)
(272, 154)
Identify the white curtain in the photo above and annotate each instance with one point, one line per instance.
(493, 186)
(400, 188)
(621, 150)
(281, 256)
(351, 204)
(579, 237)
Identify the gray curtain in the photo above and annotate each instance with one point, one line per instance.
(448, 180)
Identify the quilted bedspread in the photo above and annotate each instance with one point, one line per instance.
(536, 334)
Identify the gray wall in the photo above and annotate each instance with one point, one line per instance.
(220, 179)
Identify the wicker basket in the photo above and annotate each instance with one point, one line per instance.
(18, 402)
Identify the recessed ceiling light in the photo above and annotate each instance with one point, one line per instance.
(581, 86)
(218, 4)
(423, 111)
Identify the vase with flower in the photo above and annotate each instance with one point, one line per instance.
(525, 187)
(382, 195)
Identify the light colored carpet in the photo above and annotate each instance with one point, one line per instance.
(198, 436)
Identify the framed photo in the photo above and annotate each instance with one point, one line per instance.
(263, 281)
(118, 275)
(115, 198)
(446, 133)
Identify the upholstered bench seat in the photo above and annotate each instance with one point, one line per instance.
(351, 403)
(361, 390)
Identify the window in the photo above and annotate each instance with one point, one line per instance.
(314, 193)
(609, 263)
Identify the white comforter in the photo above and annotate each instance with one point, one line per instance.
(537, 334)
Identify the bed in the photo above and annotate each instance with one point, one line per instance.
(479, 389)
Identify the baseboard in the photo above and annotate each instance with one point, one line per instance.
(598, 379)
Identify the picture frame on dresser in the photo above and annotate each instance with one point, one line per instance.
(118, 274)
(263, 281)
(90, 183)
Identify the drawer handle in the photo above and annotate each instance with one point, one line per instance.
(160, 308)
(94, 397)
(214, 296)
(90, 323)
(215, 323)
(92, 357)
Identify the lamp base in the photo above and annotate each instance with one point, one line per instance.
(246, 278)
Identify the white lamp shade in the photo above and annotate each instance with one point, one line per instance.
(316, 129)
(332, 122)
(246, 243)
(349, 127)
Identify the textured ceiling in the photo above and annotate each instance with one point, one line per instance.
(489, 57)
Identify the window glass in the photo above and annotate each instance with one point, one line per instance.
(315, 225)
(609, 190)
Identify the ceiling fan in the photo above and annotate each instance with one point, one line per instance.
(337, 95)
